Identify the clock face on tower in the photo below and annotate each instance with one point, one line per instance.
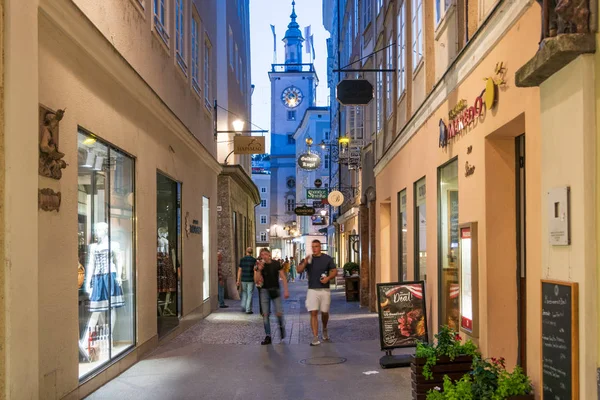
(292, 97)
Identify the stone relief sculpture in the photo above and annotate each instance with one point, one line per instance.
(50, 159)
(566, 16)
(575, 15)
(49, 200)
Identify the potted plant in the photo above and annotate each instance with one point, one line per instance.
(351, 268)
(446, 356)
(489, 379)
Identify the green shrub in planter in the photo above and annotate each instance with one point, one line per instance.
(351, 266)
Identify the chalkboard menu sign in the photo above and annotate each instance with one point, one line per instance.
(402, 316)
(560, 340)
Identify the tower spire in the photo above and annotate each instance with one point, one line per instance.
(293, 39)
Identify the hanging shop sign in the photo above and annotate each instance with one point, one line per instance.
(318, 220)
(316, 194)
(354, 92)
(249, 145)
(462, 116)
(318, 204)
(309, 161)
(304, 210)
(335, 198)
(318, 183)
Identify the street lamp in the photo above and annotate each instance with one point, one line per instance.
(238, 127)
(323, 212)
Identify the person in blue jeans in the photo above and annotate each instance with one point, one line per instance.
(245, 280)
(271, 271)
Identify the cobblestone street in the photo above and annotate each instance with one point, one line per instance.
(221, 358)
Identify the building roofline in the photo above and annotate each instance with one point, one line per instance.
(309, 110)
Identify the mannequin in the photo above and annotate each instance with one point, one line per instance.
(103, 280)
(166, 273)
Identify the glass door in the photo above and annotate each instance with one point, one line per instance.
(448, 243)
(168, 253)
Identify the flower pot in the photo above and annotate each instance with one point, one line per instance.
(455, 369)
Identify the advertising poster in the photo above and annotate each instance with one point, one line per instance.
(402, 315)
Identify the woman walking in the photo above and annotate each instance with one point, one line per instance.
(293, 271)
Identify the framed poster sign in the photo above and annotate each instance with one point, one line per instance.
(560, 340)
(402, 314)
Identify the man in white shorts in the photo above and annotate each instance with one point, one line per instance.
(321, 269)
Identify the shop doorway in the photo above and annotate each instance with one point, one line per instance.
(521, 250)
(168, 261)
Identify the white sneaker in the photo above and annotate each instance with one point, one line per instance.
(326, 337)
(315, 342)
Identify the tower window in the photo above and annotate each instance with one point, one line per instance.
(291, 139)
(291, 115)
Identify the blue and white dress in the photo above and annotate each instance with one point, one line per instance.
(106, 292)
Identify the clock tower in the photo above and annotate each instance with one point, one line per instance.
(293, 91)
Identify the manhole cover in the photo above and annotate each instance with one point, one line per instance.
(323, 361)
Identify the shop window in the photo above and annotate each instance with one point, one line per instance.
(106, 295)
(205, 248)
(420, 230)
(448, 244)
(402, 234)
(168, 256)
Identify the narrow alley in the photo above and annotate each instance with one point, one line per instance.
(221, 358)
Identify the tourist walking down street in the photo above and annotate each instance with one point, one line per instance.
(271, 271)
(221, 280)
(321, 269)
(245, 280)
(293, 270)
(286, 268)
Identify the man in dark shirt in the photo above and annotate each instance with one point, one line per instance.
(245, 280)
(271, 271)
(321, 269)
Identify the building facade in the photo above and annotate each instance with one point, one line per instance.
(465, 160)
(261, 176)
(117, 97)
(312, 186)
(293, 91)
(237, 194)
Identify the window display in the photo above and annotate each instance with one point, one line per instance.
(448, 244)
(420, 231)
(402, 231)
(106, 259)
(168, 265)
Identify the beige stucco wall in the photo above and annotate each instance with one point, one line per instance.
(483, 197)
(569, 159)
(19, 203)
(129, 29)
(69, 78)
